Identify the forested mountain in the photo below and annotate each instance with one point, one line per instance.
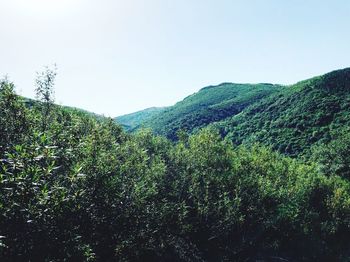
(289, 118)
(210, 104)
(135, 120)
(76, 187)
(296, 117)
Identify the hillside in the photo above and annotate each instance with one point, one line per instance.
(297, 116)
(134, 120)
(290, 119)
(210, 104)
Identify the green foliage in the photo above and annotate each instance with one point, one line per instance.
(83, 190)
(14, 121)
(45, 93)
(296, 117)
(290, 119)
(334, 157)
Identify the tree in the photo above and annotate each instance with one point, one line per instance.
(45, 93)
(13, 116)
(334, 157)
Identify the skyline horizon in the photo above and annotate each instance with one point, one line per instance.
(117, 56)
(163, 106)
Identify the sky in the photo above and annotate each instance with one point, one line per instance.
(120, 56)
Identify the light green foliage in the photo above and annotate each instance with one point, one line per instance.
(45, 93)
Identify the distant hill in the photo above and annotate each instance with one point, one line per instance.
(210, 104)
(290, 119)
(297, 116)
(134, 120)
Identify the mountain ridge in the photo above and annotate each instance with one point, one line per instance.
(296, 117)
(290, 118)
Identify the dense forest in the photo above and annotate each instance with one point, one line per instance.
(297, 117)
(76, 187)
(208, 105)
(290, 119)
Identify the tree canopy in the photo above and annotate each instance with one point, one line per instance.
(82, 189)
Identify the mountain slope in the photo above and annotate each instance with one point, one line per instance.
(210, 104)
(290, 119)
(297, 116)
(134, 120)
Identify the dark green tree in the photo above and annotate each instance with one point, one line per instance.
(14, 122)
(334, 157)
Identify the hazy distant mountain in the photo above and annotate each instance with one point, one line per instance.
(135, 120)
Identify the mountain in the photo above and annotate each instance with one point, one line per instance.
(210, 104)
(290, 119)
(297, 116)
(134, 120)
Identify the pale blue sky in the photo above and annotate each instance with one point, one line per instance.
(119, 56)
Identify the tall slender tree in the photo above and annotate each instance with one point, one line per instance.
(45, 82)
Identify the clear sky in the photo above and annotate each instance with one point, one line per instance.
(120, 56)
